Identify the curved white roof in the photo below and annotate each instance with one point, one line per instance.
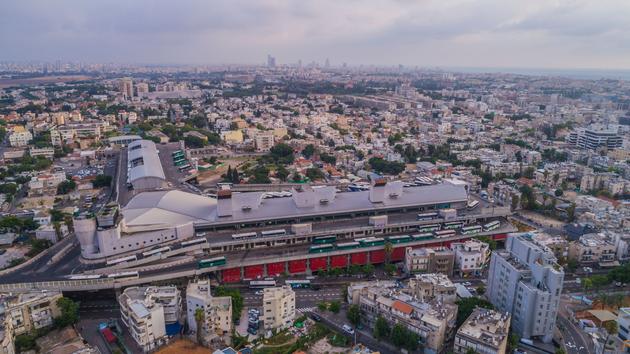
(150, 166)
(169, 208)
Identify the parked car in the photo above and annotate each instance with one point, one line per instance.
(316, 317)
(346, 328)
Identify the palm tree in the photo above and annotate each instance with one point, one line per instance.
(200, 316)
(57, 227)
(611, 328)
(69, 223)
(388, 248)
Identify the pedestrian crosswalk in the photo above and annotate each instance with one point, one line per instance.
(305, 309)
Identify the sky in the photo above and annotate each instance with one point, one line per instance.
(426, 33)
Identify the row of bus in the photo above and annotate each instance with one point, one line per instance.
(120, 275)
(268, 233)
(179, 159)
(153, 252)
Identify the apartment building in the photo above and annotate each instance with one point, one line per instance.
(595, 248)
(471, 256)
(526, 281)
(433, 321)
(484, 331)
(263, 140)
(278, 307)
(147, 311)
(7, 340)
(595, 137)
(432, 286)
(44, 183)
(217, 310)
(623, 321)
(556, 244)
(32, 311)
(20, 137)
(429, 260)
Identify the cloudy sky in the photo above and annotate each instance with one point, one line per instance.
(446, 33)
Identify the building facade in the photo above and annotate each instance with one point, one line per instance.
(526, 281)
(485, 331)
(471, 256)
(217, 310)
(278, 307)
(429, 260)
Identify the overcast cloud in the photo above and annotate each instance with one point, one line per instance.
(472, 33)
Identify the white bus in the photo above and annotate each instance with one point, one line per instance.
(472, 204)
(493, 225)
(444, 233)
(155, 251)
(244, 236)
(261, 284)
(122, 260)
(84, 277)
(453, 225)
(193, 242)
(279, 232)
(471, 230)
(429, 228)
(121, 275)
(427, 216)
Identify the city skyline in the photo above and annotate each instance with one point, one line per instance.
(487, 34)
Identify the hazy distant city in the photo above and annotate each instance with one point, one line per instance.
(292, 177)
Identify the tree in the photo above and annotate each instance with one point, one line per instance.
(388, 248)
(314, 173)
(67, 219)
(260, 175)
(334, 307)
(560, 351)
(515, 202)
(200, 317)
(381, 328)
(611, 329)
(308, 151)
(282, 154)
(368, 269)
(571, 212)
(492, 244)
(282, 173)
(354, 315)
(57, 227)
(386, 167)
(66, 187)
(194, 142)
(237, 300)
(102, 181)
(322, 306)
(587, 284)
(467, 306)
(69, 312)
(471, 351)
(330, 159)
(399, 335)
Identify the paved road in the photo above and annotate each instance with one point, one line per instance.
(575, 340)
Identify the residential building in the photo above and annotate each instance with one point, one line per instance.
(471, 256)
(278, 307)
(46, 183)
(433, 322)
(20, 136)
(32, 311)
(432, 286)
(217, 310)
(526, 281)
(429, 260)
(146, 311)
(7, 340)
(263, 140)
(484, 331)
(595, 137)
(623, 321)
(125, 86)
(595, 248)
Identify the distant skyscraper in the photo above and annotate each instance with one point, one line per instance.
(271, 61)
(126, 88)
(300, 63)
(327, 63)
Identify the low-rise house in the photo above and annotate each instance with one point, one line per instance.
(429, 260)
(471, 256)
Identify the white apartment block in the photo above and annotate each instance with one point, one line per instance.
(263, 141)
(147, 310)
(278, 307)
(471, 256)
(217, 310)
(596, 248)
(526, 281)
(20, 137)
(484, 331)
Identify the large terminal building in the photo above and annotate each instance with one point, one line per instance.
(255, 234)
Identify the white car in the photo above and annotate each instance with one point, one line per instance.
(348, 329)
(258, 292)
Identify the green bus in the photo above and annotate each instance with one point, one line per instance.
(181, 163)
(399, 239)
(212, 262)
(177, 152)
(372, 241)
(322, 240)
(321, 248)
(423, 237)
(348, 245)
